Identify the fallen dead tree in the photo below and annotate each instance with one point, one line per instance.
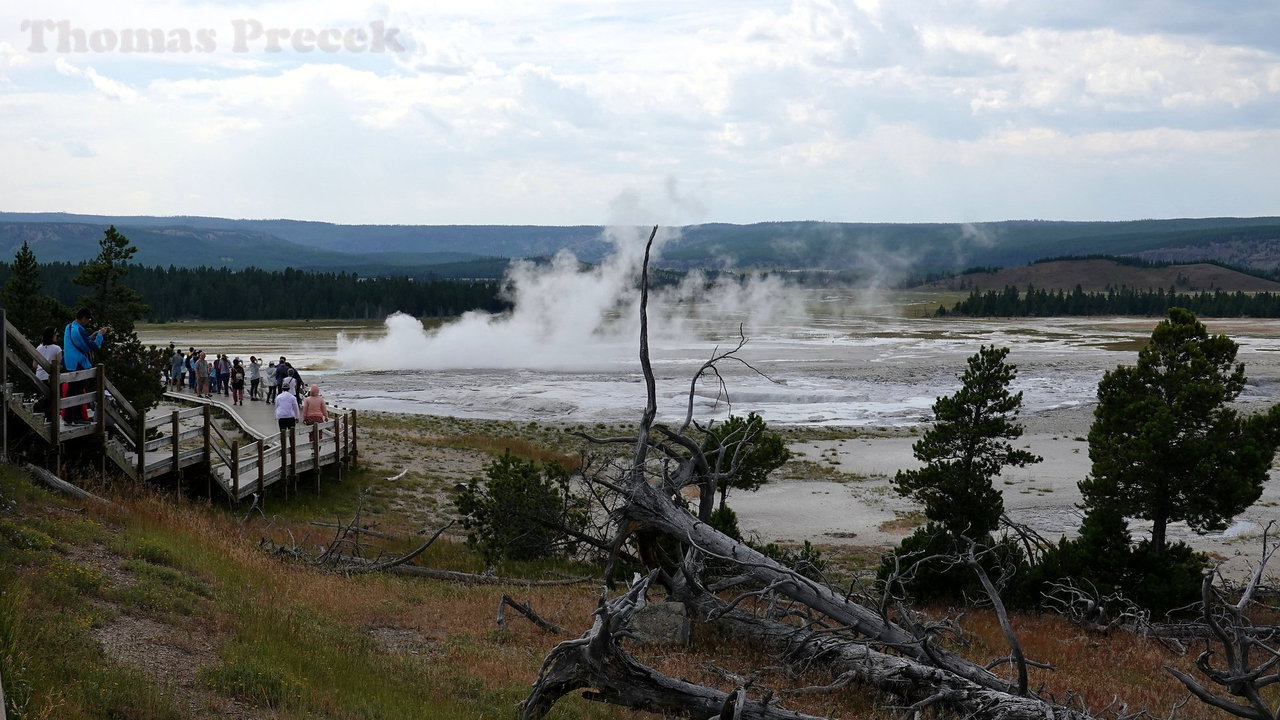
(346, 553)
(1248, 660)
(48, 479)
(859, 641)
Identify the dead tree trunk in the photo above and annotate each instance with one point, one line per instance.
(1249, 662)
(653, 509)
(858, 639)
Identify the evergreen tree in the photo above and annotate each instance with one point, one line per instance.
(1165, 444)
(133, 368)
(26, 307)
(114, 304)
(966, 449)
(521, 511)
(748, 444)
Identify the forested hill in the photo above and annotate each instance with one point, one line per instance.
(222, 294)
(867, 248)
(1101, 275)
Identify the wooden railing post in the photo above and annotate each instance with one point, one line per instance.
(346, 438)
(235, 470)
(175, 420)
(142, 447)
(262, 474)
(55, 414)
(315, 452)
(100, 418)
(355, 440)
(284, 461)
(293, 456)
(208, 446)
(4, 385)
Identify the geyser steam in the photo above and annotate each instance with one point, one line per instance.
(564, 318)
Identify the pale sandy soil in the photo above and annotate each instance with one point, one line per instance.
(865, 510)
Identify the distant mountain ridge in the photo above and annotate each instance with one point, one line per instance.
(870, 250)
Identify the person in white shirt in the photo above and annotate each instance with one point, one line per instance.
(49, 351)
(287, 407)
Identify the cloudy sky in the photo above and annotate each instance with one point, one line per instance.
(546, 112)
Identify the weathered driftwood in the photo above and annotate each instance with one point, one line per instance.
(916, 684)
(56, 483)
(461, 577)
(597, 661)
(1249, 663)
(388, 564)
(358, 531)
(653, 509)
(523, 608)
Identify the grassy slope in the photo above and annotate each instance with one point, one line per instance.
(247, 634)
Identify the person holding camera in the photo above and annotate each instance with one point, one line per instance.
(79, 346)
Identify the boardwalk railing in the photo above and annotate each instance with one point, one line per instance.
(244, 467)
(149, 448)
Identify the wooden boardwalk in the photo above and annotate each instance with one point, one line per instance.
(210, 438)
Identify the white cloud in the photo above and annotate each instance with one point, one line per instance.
(541, 112)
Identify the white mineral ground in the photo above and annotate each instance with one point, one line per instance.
(832, 364)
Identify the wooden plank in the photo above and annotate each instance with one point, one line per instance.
(346, 445)
(120, 459)
(183, 435)
(43, 429)
(191, 434)
(204, 412)
(25, 367)
(155, 422)
(223, 455)
(71, 432)
(122, 425)
(262, 461)
(55, 422)
(4, 383)
(100, 418)
(70, 377)
(120, 399)
(73, 400)
(315, 453)
(173, 434)
(141, 446)
(19, 341)
(235, 470)
(219, 432)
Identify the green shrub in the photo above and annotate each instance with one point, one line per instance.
(1158, 583)
(806, 559)
(725, 520)
(521, 510)
(929, 568)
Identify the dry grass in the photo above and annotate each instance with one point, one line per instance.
(295, 641)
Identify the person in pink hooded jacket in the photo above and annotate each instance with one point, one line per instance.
(314, 409)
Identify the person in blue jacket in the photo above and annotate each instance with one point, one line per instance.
(78, 347)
